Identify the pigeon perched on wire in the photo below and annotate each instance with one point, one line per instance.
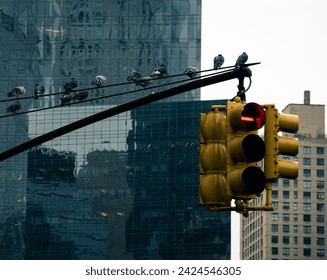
(241, 60)
(134, 76)
(144, 81)
(38, 91)
(13, 108)
(80, 95)
(69, 86)
(17, 91)
(160, 71)
(218, 61)
(99, 81)
(65, 99)
(139, 79)
(191, 72)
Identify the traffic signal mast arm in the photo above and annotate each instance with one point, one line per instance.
(238, 73)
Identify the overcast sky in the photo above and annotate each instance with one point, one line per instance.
(288, 37)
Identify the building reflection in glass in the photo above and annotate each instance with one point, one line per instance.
(118, 189)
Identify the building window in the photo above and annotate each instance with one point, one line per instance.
(274, 216)
(295, 229)
(306, 229)
(307, 150)
(307, 206)
(286, 239)
(295, 251)
(274, 228)
(320, 207)
(295, 183)
(306, 161)
(306, 252)
(286, 183)
(295, 207)
(295, 217)
(320, 184)
(320, 173)
(306, 172)
(306, 218)
(274, 194)
(274, 250)
(307, 240)
(320, 229)
(286, 217)
(320, 150)
(320, 218)
(320, 195)
(306, 195)
(320, 252)
(295, 238)
(274, 239)
(295, 195)
(320, 241)
(306, 184)
(286, 194)
(275, 204)
(286, 228)
(286, 251)
(320, 161)
(286, 205)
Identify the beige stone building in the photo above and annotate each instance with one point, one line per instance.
(296, 229)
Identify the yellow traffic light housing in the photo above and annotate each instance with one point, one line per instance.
(213, 159)
(230, 149)
(278, 145)
(245, 180)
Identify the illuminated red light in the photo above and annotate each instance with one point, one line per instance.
(247, 119)
(253, 116)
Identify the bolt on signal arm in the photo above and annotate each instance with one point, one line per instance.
(238, 73)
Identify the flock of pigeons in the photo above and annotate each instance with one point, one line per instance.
(136, 77)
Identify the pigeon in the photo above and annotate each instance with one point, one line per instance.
(69, 86)
(134, 76)
(38, 90)
(191, 72)
(65, 99)
(17, 91)
(159, 71)
(99, 81)
(218, 61)
(144, 81)
(13, 108)
(241, 59)
(81, 95)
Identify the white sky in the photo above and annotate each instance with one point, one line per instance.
(288, 37)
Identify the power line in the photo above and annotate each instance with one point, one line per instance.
(112, 95)
(114, 85)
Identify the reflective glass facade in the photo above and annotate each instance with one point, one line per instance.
(122, 188)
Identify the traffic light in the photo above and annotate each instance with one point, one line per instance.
(212, 167)
(276, 145)
(245, 180)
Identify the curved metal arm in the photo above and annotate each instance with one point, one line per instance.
(238, 73)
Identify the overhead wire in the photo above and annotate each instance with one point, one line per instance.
(114, 85)
(117, 94)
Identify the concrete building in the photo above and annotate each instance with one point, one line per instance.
(296, 229)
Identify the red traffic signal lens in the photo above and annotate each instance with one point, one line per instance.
(253, 116)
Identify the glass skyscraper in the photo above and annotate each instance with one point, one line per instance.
(122, 188)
